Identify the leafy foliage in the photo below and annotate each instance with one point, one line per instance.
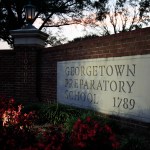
(15, 128)
(53, 13)
(51, 138)
(133, 142)
(56, 113)
(90, 134)
(79, 129)
(122, 16)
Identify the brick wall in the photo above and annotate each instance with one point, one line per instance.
(123, 44)
(26, 74)
(19, 74)
(31, 73)
(7, 65)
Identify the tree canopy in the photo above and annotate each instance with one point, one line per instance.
(123, 16)
(52, 12)
(57, 13)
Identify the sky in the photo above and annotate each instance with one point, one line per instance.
(68, 31)
(4, 45)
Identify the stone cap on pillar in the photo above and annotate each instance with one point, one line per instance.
(29, 37)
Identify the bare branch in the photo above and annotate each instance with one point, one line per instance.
(45, 21)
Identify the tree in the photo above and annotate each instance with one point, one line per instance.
(52, 12)
(145, 11)
(122, 16)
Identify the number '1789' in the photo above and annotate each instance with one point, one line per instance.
(124, 103)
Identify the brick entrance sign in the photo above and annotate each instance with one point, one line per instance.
(108, 74)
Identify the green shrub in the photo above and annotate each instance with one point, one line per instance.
(59, 114)
(31, 107)
(82, 115)
(133, 142)
(56, 113)
(69, 123)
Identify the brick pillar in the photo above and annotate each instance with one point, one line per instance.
(27, 45)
